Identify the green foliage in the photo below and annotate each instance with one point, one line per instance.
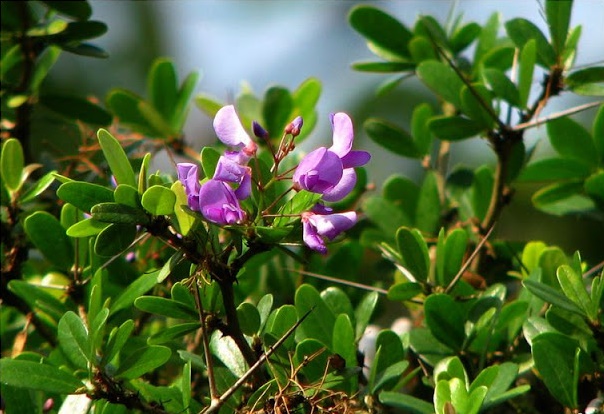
(118, 291)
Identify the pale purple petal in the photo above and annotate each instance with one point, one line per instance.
(311, 238)
(295, 126)
(245, 187)
(229, 129)
(343, 188)
(229, 170)
(218, 203)
(333, 224)
(321, 209)
(320, 170)
(343, 134)
(355, 159)
(187, 175)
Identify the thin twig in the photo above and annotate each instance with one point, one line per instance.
(469, 261)
(340, 281)
(540, 121)
(206, 345)
(217, 403)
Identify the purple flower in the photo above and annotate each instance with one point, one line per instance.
(316, 227)
(230, 131)
(230, 169)
(188, 176)
(331, 171)
(219, 204)
(295, 126)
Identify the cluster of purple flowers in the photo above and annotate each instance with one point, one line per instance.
(326, 171)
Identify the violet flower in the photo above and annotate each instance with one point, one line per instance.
(231, 169)
(219, 204)
(230, 131)
(188, 176)
(317, 227)
(331, 171)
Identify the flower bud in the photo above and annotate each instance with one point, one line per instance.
(295, 126)
(259, 131)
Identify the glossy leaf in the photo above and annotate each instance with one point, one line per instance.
(173, 332)
(389, 351)
(12, 163)
(47, 234)
(343, 340)
(555, 169)
(474, 102)
(166, 307)
(414, 252)
(37, 376)
(364, 311)
(421, 49)
(572, 285)
(454, 128)
(384, 67)
(420, 131)
(571, 140)
(391, 137)
(227, 351)
(73, 339)
(117, 339)
(442, 80)
(118, 213)
(594, 186)
(159, 200)
(526, 67)
(445, 320)
(127, 195)
(558, 14)
(404, 291)
(180, 111)
(319, 323)
(116, 158)
(487, 37)
(114, 239)
(208, 104)
(449, 257)
(403, 193)
(522, 30)
(588, 81)
(125, 106)
(562, 198)
(552, 296)
(428, 210)
(209, 161)
(464, 36)
(80, 10)
(502, 86)
(249, 318)
(135, 289)
(381, 30)
(407, 402)
(37, 188)
(45, 62)
(162, 87)
(276, 110)
(385, 214)
(142, 361)
(598, 133)
(37, 298)
(84, 195)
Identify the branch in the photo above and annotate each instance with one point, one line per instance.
(571, 111)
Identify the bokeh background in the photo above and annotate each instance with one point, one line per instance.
(263, 43)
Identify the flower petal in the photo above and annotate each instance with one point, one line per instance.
(188, 176)
(311, 238)
(229, 129)
(218, 203)
(319, 171)
(229, 170)
(343, 134)
(245, 187)
(343, 188)
(355, 159)
(333, 224)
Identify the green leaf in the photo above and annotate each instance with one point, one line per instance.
(522, 30)
(226, 350)
(11, 164)
(572, 285)
(116, 158)
(554, 354)
(598, 133)
(526, 67)
(118, 213)
(86, 49)
(588, 81)
(464, 36)
(551, 295)
(502, 86)
(558, 14)
(37, 298)
(125, 106)
(482, 187)
(45, 62)
(154, 120)
(407, 402)
(454, 128)
(86, 228)
(76, 108)
(279, 321)
(571, 140)
(47, 234)
(391, 137)
(445, 320)
(442, 80)
(208, 104)
(313, 369)
(389, 351)
(563, 198)
(381, 30)
(384, 67)
(302, 201)
(37, 188)
(474, 102)
(135, 289)
(488, 37)
(37, 376)
(594, 186)
(249, 318)
(404, 291)
(421, 49)
(73, 339)
(364, 311)
(114, 239)
(162, 87)
(450, 257)
(344, 341)
(84, 195)
(166, 307)
(127, 195)
(501, 58)
(180, 111)
(209, 161)
(80, 10)
(428, 213)
(414, 252)
(320, 322)
(173, 332)
(420, 130)
(117, 339)
(403, 193)
(159, 200)
(555, 169)
(276, 110)
(335, 298)
(385, 214)
(389, 376)
(142, 361)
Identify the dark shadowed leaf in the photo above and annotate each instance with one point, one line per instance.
(114, 239)
(442, 80)
(80, 10)
(555, 169)
(142, 361)
(47, 234)
(118, 213)
(404, 291)
(384, 67)
(562, 198)
(414, 251)
(445, 320)
(276, 110)
(454, 128)
(319, 323)
(406, 402)
(571, 140)
(391, 137)
(36, 376)
(73, 107)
